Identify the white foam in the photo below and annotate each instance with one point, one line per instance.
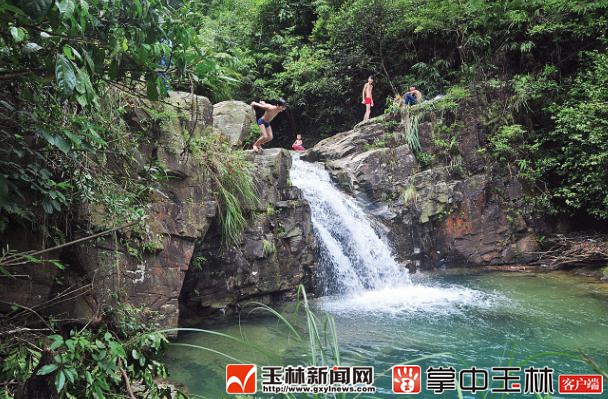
(410, 299)
(352, 251)
(358, 270)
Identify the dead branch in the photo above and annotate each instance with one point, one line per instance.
(578, 249)
(23, 257)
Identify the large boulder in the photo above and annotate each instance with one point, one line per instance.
(374, 172)
(149, 273)
(271, 175)
(146, 267)
(275, 255)
(233, 119)
(179, 239)
(198, 110)
(345, 144)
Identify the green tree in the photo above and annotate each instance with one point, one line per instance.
(573, 157)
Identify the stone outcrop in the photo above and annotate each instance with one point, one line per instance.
(441, 215)
(179, 240)
(233, 119)
(148, 271)
(196, 112)
(276, 254)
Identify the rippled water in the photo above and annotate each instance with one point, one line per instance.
(386, 317)
(520, 315)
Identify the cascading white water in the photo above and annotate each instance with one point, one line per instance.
(350, 248)
(358, 271)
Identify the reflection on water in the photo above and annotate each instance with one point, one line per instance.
(486, 320)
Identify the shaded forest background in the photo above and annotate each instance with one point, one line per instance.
(539, 67)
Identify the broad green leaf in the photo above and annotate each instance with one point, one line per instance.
(18, 34)
(71, 374)
(65, 7)
(30, 48)
(82, 100)
(70, 344)
(138, 7)
(65, 74)
(57, 341)
(117, 349)
(55, 140)
(89, 61)
(60, 381)
(48, 207)
(73, 137)
(67, 51)
(47, 369)
(12, 9)
(152, 89)
(62, 144)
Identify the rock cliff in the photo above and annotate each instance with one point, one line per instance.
(276, 254)
(456, 213)
(179, 240)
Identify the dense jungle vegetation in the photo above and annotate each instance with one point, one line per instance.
(70, 70)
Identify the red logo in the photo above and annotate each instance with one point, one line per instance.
(406, 379)
(241, 378)
(580, 383)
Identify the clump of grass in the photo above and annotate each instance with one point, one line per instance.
(411, 120)
(232, 177)
(410, 195)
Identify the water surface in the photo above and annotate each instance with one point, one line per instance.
(481, 319)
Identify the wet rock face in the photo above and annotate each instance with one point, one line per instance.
(179, 241)
(233, 119)
(275, 255)
(436, 216)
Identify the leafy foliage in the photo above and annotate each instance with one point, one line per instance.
(573, 157)
(91, 363)
(62, 64)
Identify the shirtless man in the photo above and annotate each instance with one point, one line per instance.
(368, 100)
(270, 111)
(412, 97)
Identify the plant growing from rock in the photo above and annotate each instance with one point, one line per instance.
(231, 174)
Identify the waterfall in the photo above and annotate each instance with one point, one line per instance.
(352, 254)
(357, 269)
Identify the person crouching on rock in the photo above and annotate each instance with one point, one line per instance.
(297, 145)
(412, 97)
(270, 111)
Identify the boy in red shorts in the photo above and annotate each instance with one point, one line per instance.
(368, 100)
